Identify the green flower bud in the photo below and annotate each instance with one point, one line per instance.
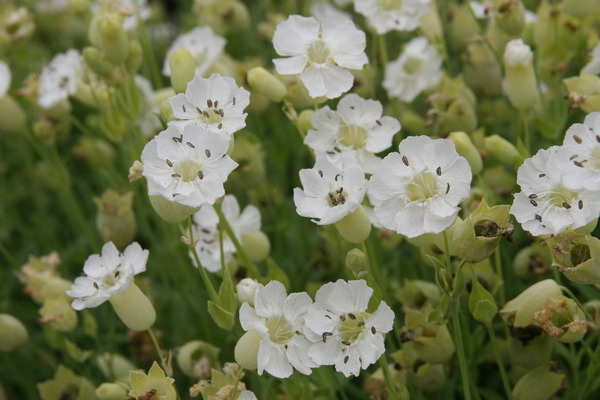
(12, 116)
(412, 122)
(304, 122)
(156, 382)
(166, 112)
(115, 220)
(503, 151)
(134, 308)
(563, 319)
(356, 261)
(481, 303)
(223, 16)
(519, 311)
(266, 84)
(538, 384)
(111, 391)
(59, 314)
(431, 342)
(580, 8)
(256, 245)
(197, 358)
(481, 70)
(66, 385)
(521, 83)
(13, 333)
(135, 56)
(95, 61)
(577, 256)
(419, 294)
(466, 148)
(246, 350)
(297, 94)
(510, 17)
(429, 377)
(355, 227)
(110, 37)
(477, 236)
(171, 211)
(463, 26)
(454, 105)
(531, 261)
(584, 91)
(530, 347)
(183, 68)
(114, 366)
(431, 25)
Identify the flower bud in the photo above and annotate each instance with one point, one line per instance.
(521, 83)
(419, 294)
(529, 347)
(114, 366)
(256, 245)
(481, 70)
(355, 227)
(12, 116)
(356, 261)
(111, 391)
(246, 350)
(134, 308)
(521, 309)
(463, 26)
(197, 358)
(577, 256)
(13, 333)
(539, 384)
(563, 319)
(297, 94)
(115, 220)
(171, 211)
(183, 68)
(431, 342)
(503, 151)
(59, 314)
(531, 261)
(510, 17)
(266, 84)
(95, 61)
(465, 147)
(245, 290)
(431, 25)
(454, 105)
(580, 8)
(304, 122)
(477, 236)
(135, 56)
(111, 37)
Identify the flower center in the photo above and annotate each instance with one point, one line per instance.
(412, 65)
(351, 326)
(187, 170)
(212, 114)
(318, 52)
(389, 5)
(422, 187)
(280, 330)
(352, 136)
(595, 157)
(562, 197)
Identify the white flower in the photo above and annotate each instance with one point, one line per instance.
(356, 128)
(59, 79)
(279, 320)
(216, 104)
(345, 334)
(418, 190)
(320, 53)
(187, 165)
(388, 15)
(582, 145)
(517, 53)
(149, 121)
(204, 45)
(5, 79)
(418, 68)
(107, 274)
(136, 9)
(593, 66)
(206, 227)
(322, 11)
(245, 289)
(545, 205)
(331, 191)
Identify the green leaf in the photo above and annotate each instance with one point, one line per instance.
(221, 316)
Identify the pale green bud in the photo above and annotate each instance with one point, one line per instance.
(297, 94)
(197, 358)
(429, 377)
(135, 56)
(246, 350)
(531, 261)
(266, 84)
(521, 83)
(115, 219)
(111, 391)
(463, 26)
(431, 25)
(134, 308)
(13, 333)
(431, 342)
(256, 245)
(413, 123)
(466, 148)
(166, 111)
(538, 384)
(562, 319)
(481, 70)
(577, 256)
(580, 8)
(355, 227)
(171, 211)
(95, 61)
(356, 261)
(114, 366)
(304, 122)
(12, 116)
(59, 314)
(53, 287)
(503, 151)
(183, 68)
(112, 38)
(510, 17)
(519, 311)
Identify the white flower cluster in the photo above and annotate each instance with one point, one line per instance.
(336, 329)
(560, 186)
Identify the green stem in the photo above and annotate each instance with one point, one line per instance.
(500, 273)
(212, 293)
(500, 361)
(371, 274)
(526, 134)
(460, 349)
(389, 382)
(252, 271)
(383, 53)
(156, 346)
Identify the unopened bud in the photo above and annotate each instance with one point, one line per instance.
(256, 246)
(355, 227)
(431, 342)
(13, 333)
(245, 290)
(356, 261)
(193, 352)
(112, 37)
(462, 27)
(111, 391)
(12, 116)
(465, 147)
(580, 8)
(134, 308)
(510, 17)
(481, 303)
(246, 350)
(183, 68)
(114, 366)
(304, 122)
(503, 151)
(115, 220)
(266, 83)
(171, 211)
(521, 83)
(58, 313)
(95, 61)
(135, 56)
(584, 92)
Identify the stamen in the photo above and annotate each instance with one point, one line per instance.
(533, 196)
(352, 316)
(574, 156)
(447, 187)
(96, 285)
(233, 102)
(330, 152)
(566, 205)
(325, 334)
(346, 343)
(361, 323)
(190, 145)
(580, 204)
(169, 163)
(183, 107)
(598, 138)
(336, 177)
(320, 173)
(538, 217)
(205, 114)
(438, 171)
(220, 125)
(200, 174)
(373, 330)
(405, 160)
(352, 107)
(209, 103)
(221, 113)
(578, 164)
(378, 122)
(337, 149)
(577, 139)
(542, 175)
(207, 152)
(117, 274)
(340, 190)
(342, 318)
(175, 176)
(205, 231)
(346, 359)
(327, 316)
(342, 198)
(216, 103)
(176, 194)
(199, 110)
(333, 199)
(533, 203)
